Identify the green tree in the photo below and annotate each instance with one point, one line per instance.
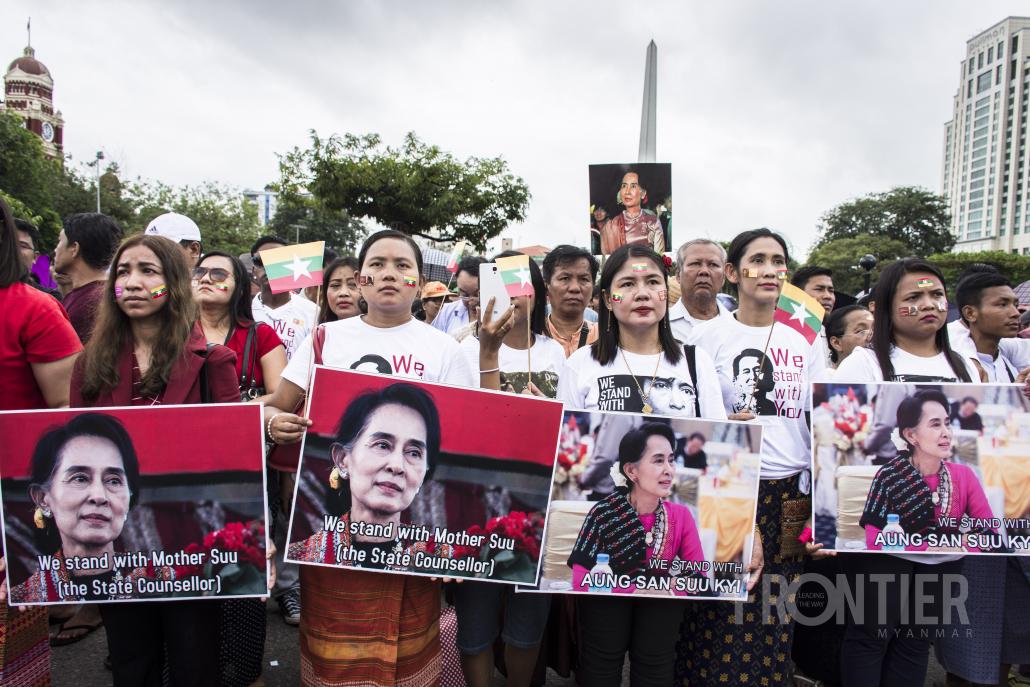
(914, 216)
(227, 222)
(842, 256)
(27, 175)
(417, 187)
(1015, 267)
(302, 219)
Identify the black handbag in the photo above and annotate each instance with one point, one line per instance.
(249, 389)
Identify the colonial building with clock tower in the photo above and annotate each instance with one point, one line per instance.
(29, 93)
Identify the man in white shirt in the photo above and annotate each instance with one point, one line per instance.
(700, 266)
(989, 309)
(457, 314)
(180, 229)
(291, 316)
(817, 282)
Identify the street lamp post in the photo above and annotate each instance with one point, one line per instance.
(100, 156)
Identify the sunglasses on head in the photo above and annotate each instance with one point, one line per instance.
(217, 274)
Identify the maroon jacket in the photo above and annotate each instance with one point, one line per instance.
(183, 383)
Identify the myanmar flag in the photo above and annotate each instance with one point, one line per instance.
(799, 311)
(455, 256)
(293, 267)
(515, 273)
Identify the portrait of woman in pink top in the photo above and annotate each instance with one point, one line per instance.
(641, 532)
(921, 486)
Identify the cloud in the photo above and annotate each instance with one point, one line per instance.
(771, 113)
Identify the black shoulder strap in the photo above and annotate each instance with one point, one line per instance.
(247, 369)
(584, 332)
(205, 391)
(691, 352)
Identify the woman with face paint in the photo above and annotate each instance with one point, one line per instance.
(221, 288)
(147, 349)
(766, 370)
(354, 614)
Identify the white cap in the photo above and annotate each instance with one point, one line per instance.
(174, 226)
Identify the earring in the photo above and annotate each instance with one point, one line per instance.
(334, 479)
(38, 518)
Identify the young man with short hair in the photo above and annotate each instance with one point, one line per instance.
(989, 308)
(291, 315)
(569, 273)
(83, 255)
(699, 264)
(817, 282)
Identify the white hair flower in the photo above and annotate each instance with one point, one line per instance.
(617, 476)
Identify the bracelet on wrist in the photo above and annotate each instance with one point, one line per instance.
(491, 370)
(268, 428)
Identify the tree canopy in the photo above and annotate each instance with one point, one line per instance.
(417, 188)
(914, 216)
(842, 256)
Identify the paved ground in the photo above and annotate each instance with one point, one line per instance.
(81, 664)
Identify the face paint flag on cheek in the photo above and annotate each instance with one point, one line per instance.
(616, 297)
(364, 280)
(942, 306)
(908, 311)
(410, 281)
(118, 291)
(781, 273)
(752, 273)
(661, 293)
(221, 286)
(158, 292)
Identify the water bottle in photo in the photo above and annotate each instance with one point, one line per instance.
(894, 533)
(600, 569)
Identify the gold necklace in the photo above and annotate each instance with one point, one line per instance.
(647, 409)
(550, 321)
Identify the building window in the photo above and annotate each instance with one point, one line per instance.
(980, 61)
(969, 89)
(1001, 48)
(983, 82)
(997, 74)
(990, 55)
(1015, 45)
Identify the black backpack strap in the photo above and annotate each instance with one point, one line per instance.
(247, 369)
(691, 352)
(584, 332)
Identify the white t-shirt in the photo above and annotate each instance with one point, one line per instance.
(780, 399)
(1005, 368)
(685, 326)
(548, 360)
(292, 321)
(585, 384)
(413, 350)
(862, 366)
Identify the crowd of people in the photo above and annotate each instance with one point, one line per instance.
(157, 318)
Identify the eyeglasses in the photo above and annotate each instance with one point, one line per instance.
(217, 274)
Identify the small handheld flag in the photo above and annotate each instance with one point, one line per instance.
(455, 256)
(515, 273)
(799, 311)
(294, 267)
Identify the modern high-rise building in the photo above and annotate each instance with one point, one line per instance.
(986, 167)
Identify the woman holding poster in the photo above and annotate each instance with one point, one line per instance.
(147, 349)
(386, 447)
(766, 369)
(348, 615)
(635, 347)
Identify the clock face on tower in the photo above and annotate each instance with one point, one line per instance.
(48, 132)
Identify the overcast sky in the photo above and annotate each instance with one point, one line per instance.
(770, 112)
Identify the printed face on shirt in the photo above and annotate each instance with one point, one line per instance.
(138, 273)
(341, 292)
(932, 436)
(997, 315)
(643, 292)
(653, 473)
(386, 463)
(925, 293)
(752, 379)
(388, 261)
(88, 495)
(763, 257)
(820, 287)
(702, 273)
(670, 396)
(215, 284)
(570, 288)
